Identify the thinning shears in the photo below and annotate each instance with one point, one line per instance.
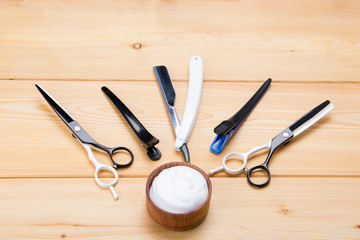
(85, 140)
(286, 135)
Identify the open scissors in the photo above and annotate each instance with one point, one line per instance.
(286, 135)
(80, 134)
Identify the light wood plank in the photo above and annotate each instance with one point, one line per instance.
(35, 142)
(289, 208)
(311, 50)
(238, 40)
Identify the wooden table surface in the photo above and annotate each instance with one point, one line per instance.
(311, 50)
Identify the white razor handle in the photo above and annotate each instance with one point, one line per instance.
(192, 101)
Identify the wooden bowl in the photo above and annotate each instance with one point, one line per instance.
(177, 221)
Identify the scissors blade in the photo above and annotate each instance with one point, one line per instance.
(73, 125)
(60, 111)
(311, 117)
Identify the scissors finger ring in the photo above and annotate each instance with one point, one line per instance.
(283, 137)
(101, 167)
(263, 168)
(80, 134)
(229, 170)
(243, 156)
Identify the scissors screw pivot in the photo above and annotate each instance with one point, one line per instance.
(286, 134)
(86, 141)
(282, 138)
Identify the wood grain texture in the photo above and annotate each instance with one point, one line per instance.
(311, 50)
(78, 209)
(238, 40)
(34, 138)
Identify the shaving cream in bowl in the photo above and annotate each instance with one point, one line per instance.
(178, 195)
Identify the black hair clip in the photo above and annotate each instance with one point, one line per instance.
(226, 129)
(148, 141)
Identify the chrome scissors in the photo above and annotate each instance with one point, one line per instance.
(85, 140)
(286, 135)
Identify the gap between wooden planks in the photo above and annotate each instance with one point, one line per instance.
(248, 40)
(35, 142)
(290, 208)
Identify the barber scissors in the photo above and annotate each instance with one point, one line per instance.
(286, 135)
(85, 140)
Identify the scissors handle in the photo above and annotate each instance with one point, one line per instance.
(101, 167)
(112, 152)
(243, 156)
(263, 168)
(275, 143)
(80, 134)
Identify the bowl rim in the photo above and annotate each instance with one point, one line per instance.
(157, 171)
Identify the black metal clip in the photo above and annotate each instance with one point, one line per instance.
(148, 141)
